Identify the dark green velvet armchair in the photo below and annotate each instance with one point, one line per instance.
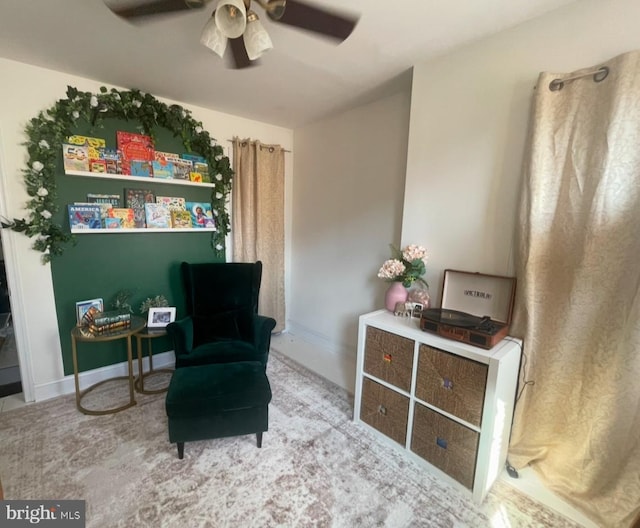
(222, 323)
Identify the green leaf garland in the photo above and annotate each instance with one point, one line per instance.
(50, 129)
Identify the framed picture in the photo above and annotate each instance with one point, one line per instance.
(161, 317)
(83, 306)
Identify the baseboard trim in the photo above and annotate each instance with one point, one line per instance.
(66, 385)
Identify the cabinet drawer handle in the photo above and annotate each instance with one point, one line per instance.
(441, 442)
(382, 410)
(447, 383)
(387, 358)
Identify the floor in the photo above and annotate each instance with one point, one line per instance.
(343, 374)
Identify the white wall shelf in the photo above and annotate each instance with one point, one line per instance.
(105, 176)
(148, 230)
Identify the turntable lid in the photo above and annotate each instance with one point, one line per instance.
(479, 294)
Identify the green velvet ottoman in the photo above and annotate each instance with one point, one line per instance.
(217, 400)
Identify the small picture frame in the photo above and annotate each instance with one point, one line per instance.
(161, 317)
(83, 306)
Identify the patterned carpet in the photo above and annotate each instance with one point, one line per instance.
(316, 468)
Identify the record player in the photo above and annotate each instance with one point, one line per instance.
(475, 308)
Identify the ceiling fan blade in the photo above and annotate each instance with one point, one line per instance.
(155, 7)
(305, 16)
(239, 52)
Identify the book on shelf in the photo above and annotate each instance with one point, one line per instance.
(157, 215)
(162, 169)
(172, 202)
(141, 168)
(133, 146)
(104, 208)
(95, 146)
(201, 214)
(114, 316)
(202, 169)
(135, 199)
(195, 177)
(112, 223)
(99, 166)
(166, 156)
(182, 169)
(112, 160)
(75, 157)
(113, 199)
(126, 216)
(194, 158)
(86, 216)
(180, 219)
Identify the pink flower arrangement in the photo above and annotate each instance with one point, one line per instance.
(406, 266)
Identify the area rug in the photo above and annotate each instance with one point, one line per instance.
(316, 468)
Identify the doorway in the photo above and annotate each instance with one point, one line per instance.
(10, 382)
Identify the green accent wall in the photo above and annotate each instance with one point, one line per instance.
(101, 264)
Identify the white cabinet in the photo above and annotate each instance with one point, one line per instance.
(447, 404)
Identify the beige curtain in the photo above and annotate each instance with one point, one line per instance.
(578, 302)
(257, 222)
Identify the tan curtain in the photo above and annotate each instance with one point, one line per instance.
(578, 302)
(257, 222)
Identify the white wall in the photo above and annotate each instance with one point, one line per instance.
(26, 90)
(469, 118)
(347, 206)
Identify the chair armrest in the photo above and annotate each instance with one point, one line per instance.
(181, 332)
(262, 328)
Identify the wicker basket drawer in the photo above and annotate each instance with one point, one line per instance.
(385, 410)
(389, 357)
(446, 444)
(451, 383)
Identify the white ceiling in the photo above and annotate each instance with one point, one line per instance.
(304, 77)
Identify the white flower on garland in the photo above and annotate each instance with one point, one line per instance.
(212, 142)
(93, 101)
(75, 114)
(116, 96)
(218, 157)
(218, 176)
(136, 103)
(42, 238)
(218, 247)
(37, 166)
(42, 192)
(198, 130)
(43, 144)
(45, 214)
(218, 195)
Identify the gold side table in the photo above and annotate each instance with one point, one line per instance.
(149, 335)
(137, 324)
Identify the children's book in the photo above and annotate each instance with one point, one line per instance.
(104, 208)
(157, 215)
(97, 165)
(135, 199)
(166, 156)
(75, 157)
(95, 146)
(182, 169)
(113, 199)
(112, 223)
(84, 216)
(180, 219)
(195, 177)
(203, 169)
(125, 215)
(193, 157)
(141, 168)
(162, 169)
(201, 214)
(172, 202)
(133, 146)
(112, 160)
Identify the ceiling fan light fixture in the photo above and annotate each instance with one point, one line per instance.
(213, 38)
(256, 39)
(231, 18)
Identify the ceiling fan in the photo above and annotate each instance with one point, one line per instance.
(235, 23)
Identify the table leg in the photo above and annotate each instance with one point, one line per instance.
(140, 374)
(74, 352)
(130, 360)
(150, 356)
